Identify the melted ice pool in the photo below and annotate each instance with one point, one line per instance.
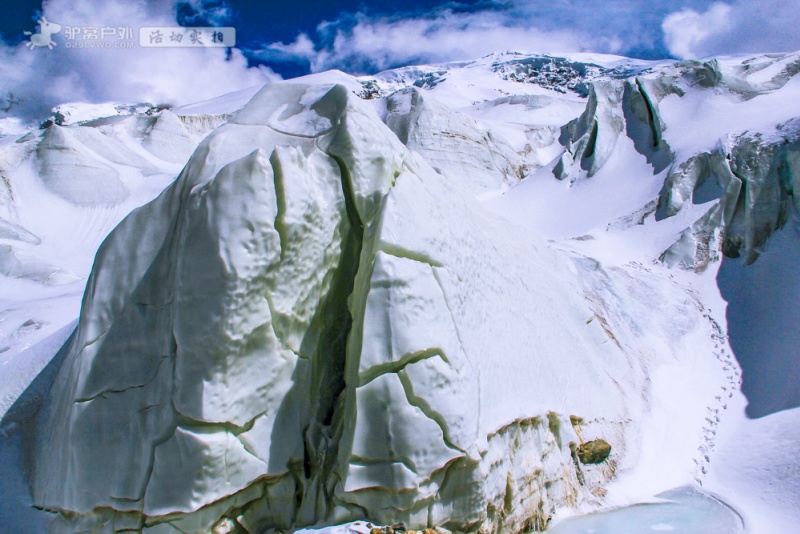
(688, 511)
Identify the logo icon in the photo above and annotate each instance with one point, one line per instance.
(44, 37)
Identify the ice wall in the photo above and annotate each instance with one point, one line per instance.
(298, 330)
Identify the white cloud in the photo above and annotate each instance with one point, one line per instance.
(447, 37)
(302, 49)
(43, 78)
(378, 43)
(740, 27)
(644, 28)
(686, 31)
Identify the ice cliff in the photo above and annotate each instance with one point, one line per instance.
(755, 181)
(301, 329)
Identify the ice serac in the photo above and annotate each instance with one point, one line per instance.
(754, 181)
(237, 266)
(74, 173)
(299, 331)
(451, 142)
(168, 139)
(590, 139)
(615, 107)
(749, 78)
(463, 399)
(643, 120)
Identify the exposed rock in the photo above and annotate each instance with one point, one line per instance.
(575, 420)
(371, 89)
(594, 452)
(430, 80)
(556, 73)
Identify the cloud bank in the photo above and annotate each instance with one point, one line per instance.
(741, 27)
(364, 44)
(642, 28)
(43, 78)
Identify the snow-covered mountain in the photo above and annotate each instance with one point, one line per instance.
(418, 297)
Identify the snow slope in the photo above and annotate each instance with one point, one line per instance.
(738, 115)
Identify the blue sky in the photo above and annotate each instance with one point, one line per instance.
(369, 35)
(295, 38)
(286, 39)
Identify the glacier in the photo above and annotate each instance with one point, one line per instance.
(286, 246)
(406, 298)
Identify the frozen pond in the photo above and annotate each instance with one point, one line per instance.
(688, 511)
